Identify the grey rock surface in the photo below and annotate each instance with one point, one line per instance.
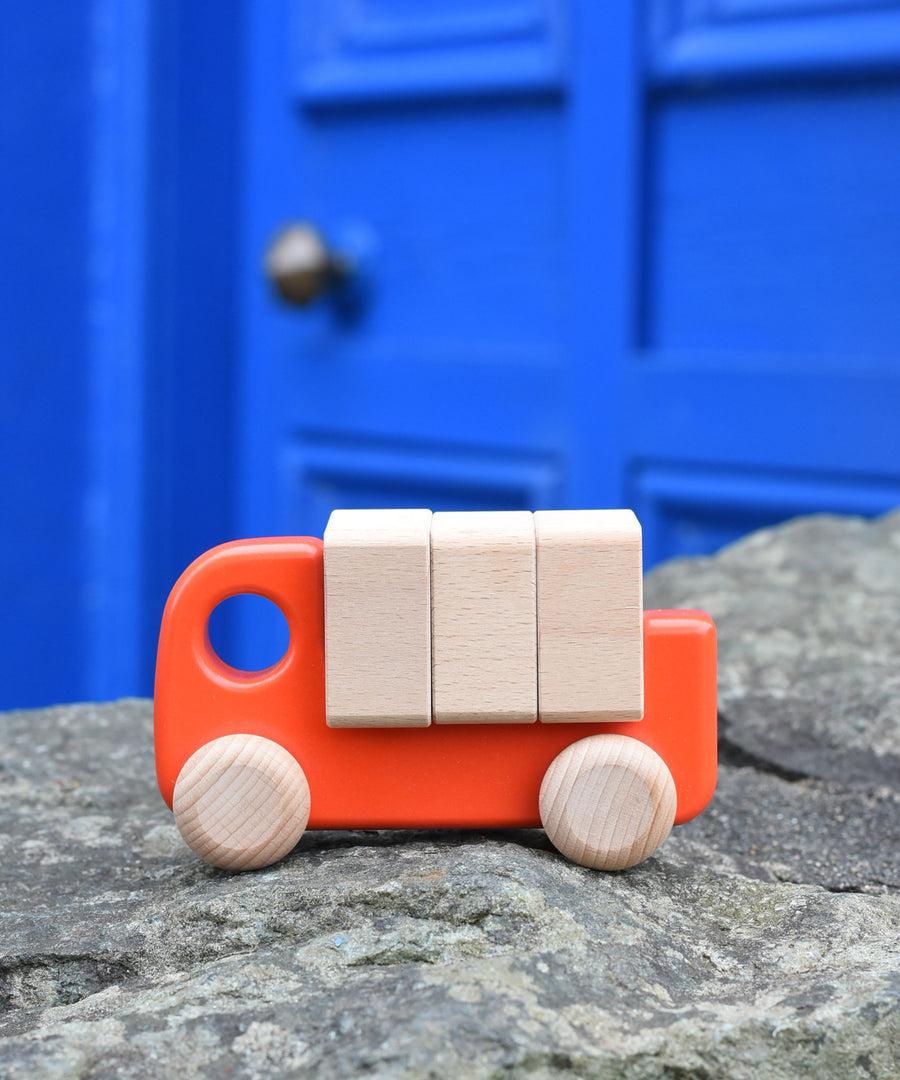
(809, 641)
(763, 940)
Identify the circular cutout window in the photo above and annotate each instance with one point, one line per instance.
(248, 632)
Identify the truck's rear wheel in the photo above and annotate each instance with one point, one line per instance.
(241, 802)
(607, 801)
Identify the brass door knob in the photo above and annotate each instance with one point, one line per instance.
(300, 265)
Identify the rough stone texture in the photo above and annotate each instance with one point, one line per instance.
(762, 941)
(809, 644)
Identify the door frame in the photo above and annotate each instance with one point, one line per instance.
(166, 138)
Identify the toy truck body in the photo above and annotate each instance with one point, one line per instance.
(212, 723)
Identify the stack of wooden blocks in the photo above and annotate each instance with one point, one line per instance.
(483, 617)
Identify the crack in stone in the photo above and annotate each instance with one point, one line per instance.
(730, 753)
(870, 888)
(46, 980)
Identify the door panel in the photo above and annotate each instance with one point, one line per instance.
(322, 475)
(451, 193)
(776, 225)
(693, 510)
(348, 52)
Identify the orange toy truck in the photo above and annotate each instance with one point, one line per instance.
(448, 670)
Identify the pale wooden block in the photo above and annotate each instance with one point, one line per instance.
(483, 622)
(241, 802)
(608, 802)
(378, 618)
(590, 618)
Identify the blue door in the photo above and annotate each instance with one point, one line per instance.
(606, 254)
(637, 253)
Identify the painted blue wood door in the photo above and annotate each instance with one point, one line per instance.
(614, 254)
(639, 254)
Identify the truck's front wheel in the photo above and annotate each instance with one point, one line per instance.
(241, 802)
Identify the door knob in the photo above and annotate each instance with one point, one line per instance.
(300, 265)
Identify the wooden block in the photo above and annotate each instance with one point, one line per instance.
(483, 623)
(241, 802)
(608, 801)
(590, 598)
(378, 618)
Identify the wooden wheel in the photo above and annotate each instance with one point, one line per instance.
(241, 802)
(607, 801)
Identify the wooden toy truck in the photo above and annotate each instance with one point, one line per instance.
(455, 670)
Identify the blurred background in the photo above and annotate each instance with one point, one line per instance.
(260, 260)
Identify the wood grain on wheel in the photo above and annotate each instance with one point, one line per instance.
(607, 802)
(241, 802)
